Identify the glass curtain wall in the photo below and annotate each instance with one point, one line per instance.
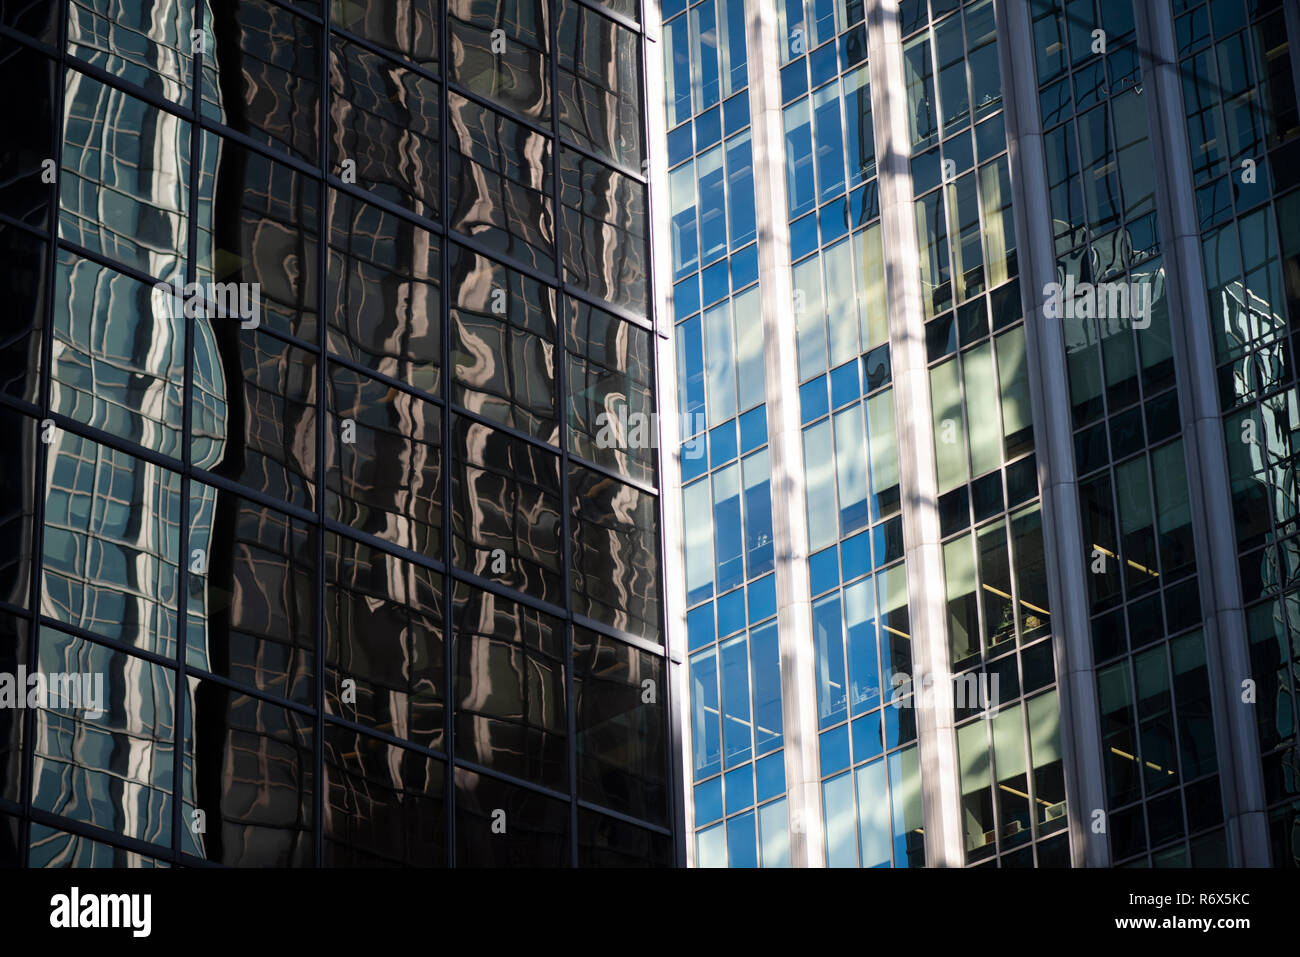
(366, 576)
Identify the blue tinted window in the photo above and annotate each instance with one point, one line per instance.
(715, 281)
(699, 626)
(708, 801)
(812, 399)
(731, 612)
(762, 599)
(706, 733)
(828, 639)
(722, 443)
(735, 112)
(740, 789)
(727, 533)
(834, 749)
(736, 734)
(758, 514)
(742, 843)
(708, 128)
(765, 655)
(753, 429)
(770, 775)
(824, 571)
(744, 267)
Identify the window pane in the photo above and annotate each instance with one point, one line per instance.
(820, 490)
(261, 75)
(383, 804)
(873, 815)
(611, 405)
(841, 841)
(981, 409)
(376, 103)
(252, 612)
(386, 480)
(729, 536)
(614, 576)
(515, 78)
(502, 335)
(765, 655)
(810, 318)
(720, 363)
(621, 724)
(537, 825)
(737, 730)
(259, 222)
(828, 638)
(112, 528)
(758, 514)
(599, 95)
(119, 355)
(706, 731)
(506, 512)
(697, 505)
(499, 182)
(147, 44)
(604, 235)
(253, 766)
(949, 432)
(409, 29)
(851, 470)
(509, 688)
(124, 178)
(126, 706)
(384, 632)
(275, 402)
(385, 296)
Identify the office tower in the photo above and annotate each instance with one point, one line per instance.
(982, 319)
(324, 326)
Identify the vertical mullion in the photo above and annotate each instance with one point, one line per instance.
(448, 366)
(562, 416)
(322, 414)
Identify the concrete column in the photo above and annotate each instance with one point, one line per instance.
(1063, 543)
(789, 518)
(1227, 652)
(936, 733)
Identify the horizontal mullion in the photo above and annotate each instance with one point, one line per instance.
(626, 818)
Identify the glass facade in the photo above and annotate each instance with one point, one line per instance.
(1239, 97)
(1152, 685)
(737, 765)
(333, 343)
(333, 513)
(833, 160)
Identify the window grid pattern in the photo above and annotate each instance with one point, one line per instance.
(1239, 96)
(871, 788)
(738, 765)
(1142, 581)
(999, 622)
